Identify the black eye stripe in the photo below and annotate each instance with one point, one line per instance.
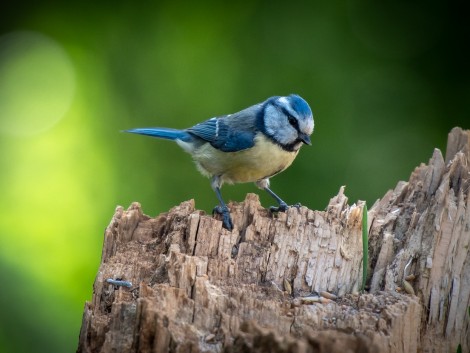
(293, 121)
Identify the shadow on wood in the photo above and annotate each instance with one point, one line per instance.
(290, 283)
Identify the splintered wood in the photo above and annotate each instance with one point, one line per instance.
(290, 282)
(426, 223)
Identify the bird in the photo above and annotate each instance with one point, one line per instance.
(251, 145)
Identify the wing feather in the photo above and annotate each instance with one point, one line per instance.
(229, 133)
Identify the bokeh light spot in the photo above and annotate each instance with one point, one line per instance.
(37, 83)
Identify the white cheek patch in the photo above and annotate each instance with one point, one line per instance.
(272, 122)
(284, 101)
(277, 127)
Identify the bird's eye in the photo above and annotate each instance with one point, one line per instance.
(293, 121)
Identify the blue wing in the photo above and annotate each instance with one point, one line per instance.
(229, 133)
(207, 130)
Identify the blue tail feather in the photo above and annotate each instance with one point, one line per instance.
(162, 132)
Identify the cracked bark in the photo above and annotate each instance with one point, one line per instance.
(198, 288)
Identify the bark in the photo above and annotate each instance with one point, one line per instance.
(266, 286)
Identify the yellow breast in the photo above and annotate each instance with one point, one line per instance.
(263, 160)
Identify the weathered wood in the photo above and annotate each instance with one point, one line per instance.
(428, 220)
(198, 287)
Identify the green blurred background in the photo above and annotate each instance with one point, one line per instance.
(386, 82)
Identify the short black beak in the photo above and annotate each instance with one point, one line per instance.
(305, 138)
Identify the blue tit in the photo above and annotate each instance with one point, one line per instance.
(252, 145)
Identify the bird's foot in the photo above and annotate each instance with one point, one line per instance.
(225, 213)
(283, 207)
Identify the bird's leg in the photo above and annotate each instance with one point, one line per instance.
(282, 205)
(222, 208)
(264, 184)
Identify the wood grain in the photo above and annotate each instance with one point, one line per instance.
(197, 287)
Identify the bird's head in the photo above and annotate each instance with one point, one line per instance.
(288, 121)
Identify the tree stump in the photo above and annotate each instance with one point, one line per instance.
(290, 282)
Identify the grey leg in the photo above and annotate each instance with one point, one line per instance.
(222, 208)
(282, 205)
(264, 184)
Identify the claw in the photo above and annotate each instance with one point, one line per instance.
(225, 213)
(281, 208)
